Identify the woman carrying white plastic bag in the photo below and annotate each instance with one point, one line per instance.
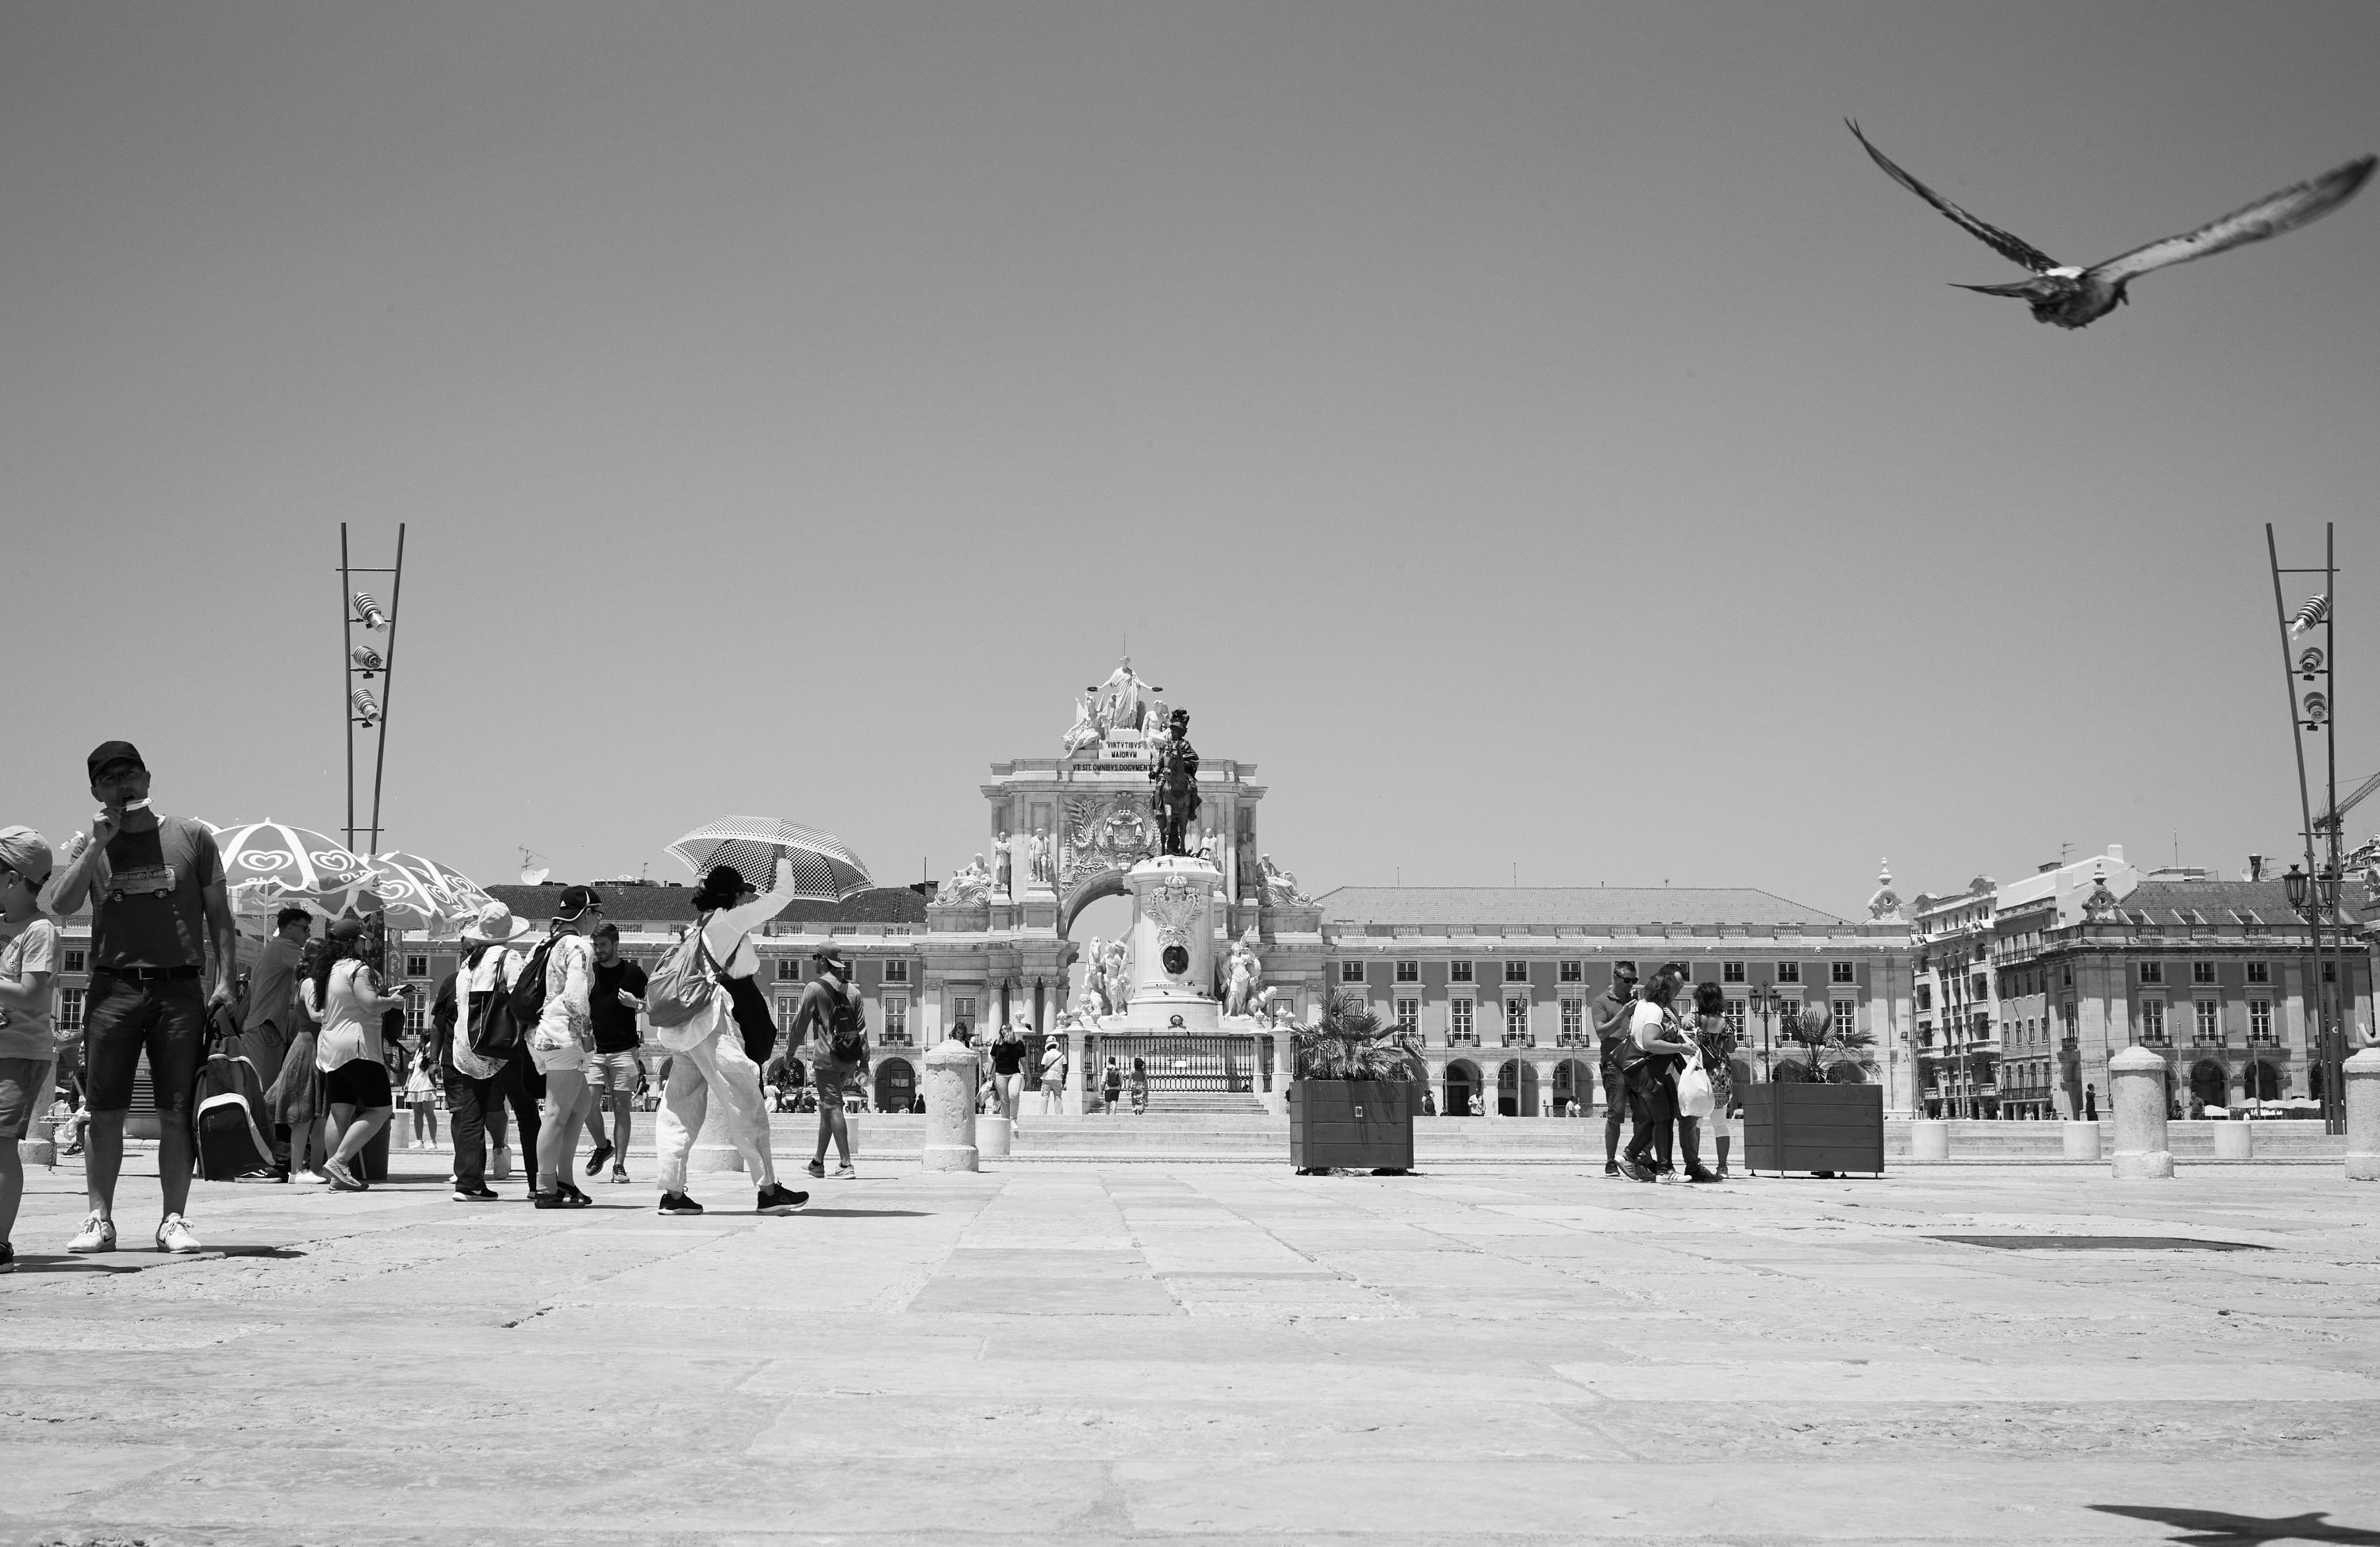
(707, 1056)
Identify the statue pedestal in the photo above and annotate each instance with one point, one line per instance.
(1172, 943)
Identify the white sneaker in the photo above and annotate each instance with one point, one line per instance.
(173, 1235)
(844, 1173)
(98, 1234)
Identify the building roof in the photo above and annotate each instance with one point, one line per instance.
(630, 903)
(2167, 902)
(1572, 907)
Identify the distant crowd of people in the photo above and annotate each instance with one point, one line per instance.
(540, 1025)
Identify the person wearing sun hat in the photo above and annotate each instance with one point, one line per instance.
(477, 1088)
(559, 1043)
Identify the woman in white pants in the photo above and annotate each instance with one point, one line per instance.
(707, 1056)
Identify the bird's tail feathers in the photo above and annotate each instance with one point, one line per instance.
(2021, 289)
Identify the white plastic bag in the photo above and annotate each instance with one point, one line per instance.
(1694, 1098)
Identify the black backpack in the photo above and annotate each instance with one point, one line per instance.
(527, 999)
(491, 1032)
(846, 1030)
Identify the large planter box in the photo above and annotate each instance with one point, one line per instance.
(1360, 1124)
(1813, 1127)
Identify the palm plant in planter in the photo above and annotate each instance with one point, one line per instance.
(1353, 1100)
(1813, 1116)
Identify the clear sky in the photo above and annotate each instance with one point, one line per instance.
(1536, 435)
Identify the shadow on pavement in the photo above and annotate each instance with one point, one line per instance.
(868, 1214)
(2208, 1527)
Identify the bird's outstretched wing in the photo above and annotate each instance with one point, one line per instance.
(2269, 216)
(2015, 249)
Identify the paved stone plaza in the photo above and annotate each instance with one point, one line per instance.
(1204, 1353)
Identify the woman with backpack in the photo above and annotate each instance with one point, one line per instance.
(831, 1026)
(1648, 1062)
(707, 1051)
(474, 1057)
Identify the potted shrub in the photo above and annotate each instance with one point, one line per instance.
(1354, 1099)
(1820, 1112)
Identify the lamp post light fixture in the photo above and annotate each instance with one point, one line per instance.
(1764, 1003)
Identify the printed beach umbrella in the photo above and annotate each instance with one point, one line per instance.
(458, 897)
(824, 869)
(269, 862)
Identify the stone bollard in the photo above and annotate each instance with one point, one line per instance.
(1929, 1140)
(2136, 1081)
(2363, 1117)
(2234, 1140)
(2082, 1140)
(37, 1152)
(992, 1136)
(949, 1108)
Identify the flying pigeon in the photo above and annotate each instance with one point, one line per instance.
(2074, 298)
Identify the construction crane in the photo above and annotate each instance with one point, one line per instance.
(2328, 821)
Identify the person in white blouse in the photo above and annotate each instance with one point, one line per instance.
(707, 1056)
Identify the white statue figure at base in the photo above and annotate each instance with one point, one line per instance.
(1037, 857)
(1117, 978)
(968, 883)
(1242, 974)
(1280, 886)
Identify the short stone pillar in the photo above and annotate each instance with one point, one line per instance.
(2363, 1117)
(2082, 1140)
(950, 1107)
(1929, 1140)
(2136, 1090)
(992, 1137)
(2233, 1140)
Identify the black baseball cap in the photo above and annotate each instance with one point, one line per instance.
(830, 958)
(110, 752)
(576, 900)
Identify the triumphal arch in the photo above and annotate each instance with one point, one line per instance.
(1224, 949)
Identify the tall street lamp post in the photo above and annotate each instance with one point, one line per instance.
(1764, 1004)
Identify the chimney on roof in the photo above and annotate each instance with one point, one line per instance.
(2115, 852)
(2044, 867)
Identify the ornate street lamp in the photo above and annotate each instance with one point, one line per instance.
(2295, 885)
(1764, 1004)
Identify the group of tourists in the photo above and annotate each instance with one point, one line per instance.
(1668, 1067)
(538, 1025)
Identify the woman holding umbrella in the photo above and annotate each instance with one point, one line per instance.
(707, 1054)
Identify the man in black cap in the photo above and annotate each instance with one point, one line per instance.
(155, 884)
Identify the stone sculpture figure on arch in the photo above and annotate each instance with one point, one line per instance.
(1242, 975)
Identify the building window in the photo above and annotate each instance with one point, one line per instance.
(1516, 1019)
(789, 971)
(1409, 1018)
(417, 1013)
(416, 967)
(1458, 1020)
(1458, 972)
(1573, 1020)
(75, 960)
(896, 971)
(1351, 971)
(2330, 972)
(1789, 971)
(70, 1009)
(1730, 972)
(1924, 997)
(1846, 1016)
(1571, 972)
(1409, 972)
(896, 1019)
(786, 1004)
(2210, 1021)
(2260, 972)
(1735, 1018)
(1517, 972)
(2202, 972)
(963, 1010)
(2153, 1020)
(2065, 1015)
(1979, 985)
(2152, 972)
(2066, 976)
(2259, 1020)
(1840, 972)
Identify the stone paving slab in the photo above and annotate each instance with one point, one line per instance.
(1217, 1354)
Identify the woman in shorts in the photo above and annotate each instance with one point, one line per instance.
(28, 1063)
(1717, 1046)
(349, 1050)
(422, 1095)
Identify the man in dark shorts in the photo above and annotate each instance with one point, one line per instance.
(1611, 1013)
(611, 1068)
(828, 1006)
(155, 884)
